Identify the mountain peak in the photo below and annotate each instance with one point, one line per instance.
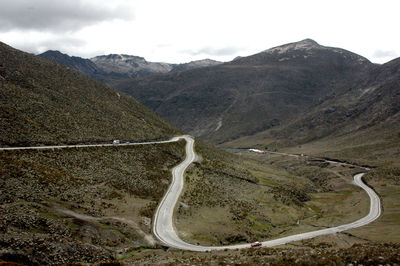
(306, 44)
(84, 65)
(50, 54)
(308, 41)
(119, 57)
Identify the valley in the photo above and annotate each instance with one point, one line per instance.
(74, 196)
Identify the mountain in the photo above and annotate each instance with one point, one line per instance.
(113, 68)
(85, 66)
(360, 124)
(44, 102)
(195, 64)
(135, 66)
(129, 65)
(371, 101)
(250, 94)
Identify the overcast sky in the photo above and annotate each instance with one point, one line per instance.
(178, 31)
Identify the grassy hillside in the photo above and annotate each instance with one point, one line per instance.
(43, 102)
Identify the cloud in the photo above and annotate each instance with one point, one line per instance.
(211, 51)
(384, 54)
(59, 15)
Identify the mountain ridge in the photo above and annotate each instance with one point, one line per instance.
(113, 68)
(250, 94)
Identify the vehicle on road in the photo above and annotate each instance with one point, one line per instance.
(255, 244)
(257, 151)
(116, 141)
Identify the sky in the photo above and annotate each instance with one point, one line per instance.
(178, 31)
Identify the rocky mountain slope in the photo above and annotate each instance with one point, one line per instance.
(370, 102)
(131, 66)
(195, 64)
(250, 94)
(113, 68)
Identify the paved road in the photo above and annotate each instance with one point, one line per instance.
(164, 230)
(306, 156)
(88, 145)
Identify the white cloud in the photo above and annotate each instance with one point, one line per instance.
(59, 16)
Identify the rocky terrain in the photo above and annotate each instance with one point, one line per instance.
(131, 66)
(368, 105)
(321, 254)
(81, 205)
(195, 64)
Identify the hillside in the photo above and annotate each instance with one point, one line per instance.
(44, 102)
(250, 94)
(371, 102)
(359, 123)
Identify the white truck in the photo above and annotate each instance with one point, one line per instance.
(116, 141)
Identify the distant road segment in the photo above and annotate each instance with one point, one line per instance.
(174, 139)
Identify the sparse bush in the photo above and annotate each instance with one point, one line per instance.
(148, 210)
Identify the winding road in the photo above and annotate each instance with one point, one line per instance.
(164, 230)
(163, 226)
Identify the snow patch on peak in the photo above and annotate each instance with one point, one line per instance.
(306, 44)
